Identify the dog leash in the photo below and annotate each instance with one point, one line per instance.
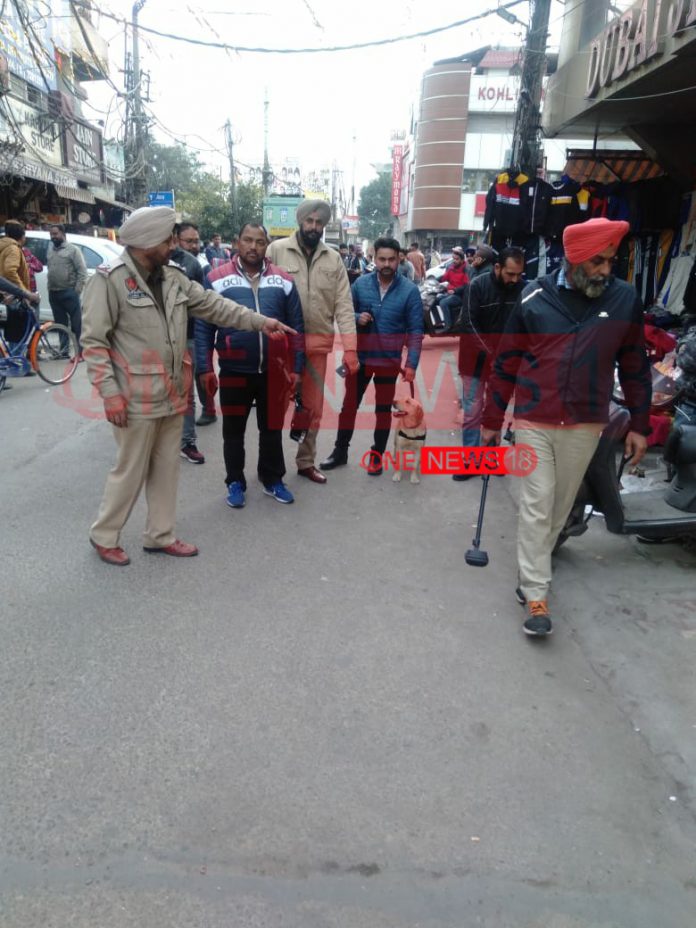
(413, 392)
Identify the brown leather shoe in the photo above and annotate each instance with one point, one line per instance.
(115, 556)
(175, 549)
(311, 473)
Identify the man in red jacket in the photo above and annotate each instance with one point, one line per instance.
(454, 277)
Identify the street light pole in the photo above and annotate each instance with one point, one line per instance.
(138, 161)
(526, 141)
(229, 144)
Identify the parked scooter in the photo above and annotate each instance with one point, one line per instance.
(656, 514)
(432, 292)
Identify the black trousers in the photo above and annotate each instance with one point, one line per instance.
(356, 384)
(237, 393)
(66, 309)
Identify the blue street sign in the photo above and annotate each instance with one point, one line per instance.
(161, 198)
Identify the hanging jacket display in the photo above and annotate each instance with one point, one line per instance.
(563, 209)
(537, 198)
(506, 205)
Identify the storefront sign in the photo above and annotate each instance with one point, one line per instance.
(21, 166)
(38, 132)
(493, 94)
(635, 38)
(83, 150)
(351, 225)
(29, 56)
(397, 157)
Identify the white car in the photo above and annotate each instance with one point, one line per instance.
(95, 251)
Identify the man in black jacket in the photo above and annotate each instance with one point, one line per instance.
(558, 353)
(487, 308)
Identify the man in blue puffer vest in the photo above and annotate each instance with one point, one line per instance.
(388, 315)
(251, 368)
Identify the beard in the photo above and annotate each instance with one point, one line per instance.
(310, 239)
(591, 287)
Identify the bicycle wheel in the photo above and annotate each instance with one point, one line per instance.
(54, 353)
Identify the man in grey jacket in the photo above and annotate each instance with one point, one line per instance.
(67, 275)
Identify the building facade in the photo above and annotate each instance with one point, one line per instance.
(54, 165)
(630, 73)
(461, 140)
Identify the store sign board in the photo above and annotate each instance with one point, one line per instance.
(634, 38)
(83, 150)
(397, 158)
(21, 166)
(37, 132)
(493, 94)
(30, 60)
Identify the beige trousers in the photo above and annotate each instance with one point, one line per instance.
(312, 398)
(148, 454)
(547, 495)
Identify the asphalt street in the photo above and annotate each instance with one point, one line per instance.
(327, 720)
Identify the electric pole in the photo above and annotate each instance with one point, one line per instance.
(267, 175)
(229, 144)
(136, 121)
(526, 140)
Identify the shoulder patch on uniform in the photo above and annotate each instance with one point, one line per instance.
(109, 266)
(177, 267)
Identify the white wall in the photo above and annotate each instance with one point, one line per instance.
(467, 220)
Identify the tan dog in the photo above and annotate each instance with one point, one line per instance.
(409, 434)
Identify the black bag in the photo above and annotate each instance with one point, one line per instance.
(16, 325)
(301, 420)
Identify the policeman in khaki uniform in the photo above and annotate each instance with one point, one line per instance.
(135, 312)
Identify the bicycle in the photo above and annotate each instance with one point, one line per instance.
(50, 348)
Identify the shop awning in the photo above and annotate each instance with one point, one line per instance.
(102, 197)
(75, 193)
(607, 167)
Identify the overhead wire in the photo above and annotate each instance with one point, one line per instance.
(356, 46)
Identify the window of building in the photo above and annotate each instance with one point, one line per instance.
(476, 180)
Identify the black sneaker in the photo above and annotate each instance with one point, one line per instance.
(206, 418)
(538, 621)
(463, 477)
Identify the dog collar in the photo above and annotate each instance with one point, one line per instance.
(411, 437)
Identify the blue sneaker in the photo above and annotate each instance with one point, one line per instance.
(235, 495)
(280, 492)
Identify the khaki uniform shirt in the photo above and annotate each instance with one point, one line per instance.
(137, 348)
(322, 283)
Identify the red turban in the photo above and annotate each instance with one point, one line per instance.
(587, 239)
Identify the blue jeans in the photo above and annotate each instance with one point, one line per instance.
(65, 306)
(188, 434)
(473, 392)
(450, 307)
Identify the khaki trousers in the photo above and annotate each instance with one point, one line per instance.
(547, 495)
(148, 453)
(313, 399)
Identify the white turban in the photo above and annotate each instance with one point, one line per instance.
(148, 227)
